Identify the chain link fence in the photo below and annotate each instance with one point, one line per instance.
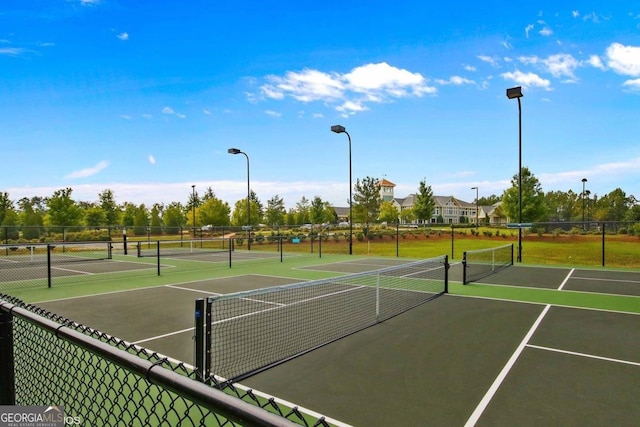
(98, 379)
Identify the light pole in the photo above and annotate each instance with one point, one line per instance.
(237, 151)
(516, 92)
(341, 129)
(584, 181)
(193, 201)
(476, 188)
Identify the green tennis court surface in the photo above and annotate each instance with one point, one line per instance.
(462, 358)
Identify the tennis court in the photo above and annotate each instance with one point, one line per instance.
(455, 360)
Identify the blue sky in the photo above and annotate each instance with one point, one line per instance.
(145, 98)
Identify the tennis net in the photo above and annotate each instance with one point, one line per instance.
(255, 330)
(484, 262)
(54, 253)
(171, 248)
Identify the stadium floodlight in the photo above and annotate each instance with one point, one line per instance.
(238, 151)
(516, 92)
(341, 129)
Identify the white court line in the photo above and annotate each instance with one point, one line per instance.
(200, 291)
(163, 336)
(590, 356)
(606, 280)
(566, 279)
(477, 413)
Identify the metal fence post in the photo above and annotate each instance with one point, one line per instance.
(7, 376)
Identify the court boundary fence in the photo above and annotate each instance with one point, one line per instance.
(46, 359)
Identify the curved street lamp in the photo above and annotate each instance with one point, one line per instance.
(476, 188)
(237, 151)
(341, 129)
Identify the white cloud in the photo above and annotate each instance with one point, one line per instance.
(306, 86)
(456, 81)
(559, 65)
(152, 159)
(633, 85)
(181, 116)
(546, 32)
(147, 116)
(168, 110)
(273, 113)
(575, 13)
(527, 79)
(470, 68)
(12, 51)
(385, 78)
(488, 60)
(527, 29)
(207, 112)
(348, 92)
(123, 36)
(88, 171)
(89, 2)
(624, 59)
(596, 62)
(125, 116)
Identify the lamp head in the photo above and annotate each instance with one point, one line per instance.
(584, 179)
(514, 92)
(338, 129)
(234, 151)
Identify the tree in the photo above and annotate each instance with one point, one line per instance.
(155, 222)
(6, 204)
(275, 213)
(488, 201)
(406, 215)
(129, 214)
(367, 200)
(239, 215)
(94, 216)
(173, 218)
(140, 220)
(9, 226)
(214, 212)
(110, 208)
(388, 213)
(63, 210)
(31, 220)
(563, 206)
(424, 205)
(533, 202)
(317, 211)
(613, 206)
(302, 211)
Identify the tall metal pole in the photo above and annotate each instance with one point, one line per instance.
(341, 129)
(584, 180)
(238, 151)
(248, 206)
(477, 207)
(350, 199)
(519, 181)
(193, 201)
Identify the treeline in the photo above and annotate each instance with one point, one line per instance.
(60, 209)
